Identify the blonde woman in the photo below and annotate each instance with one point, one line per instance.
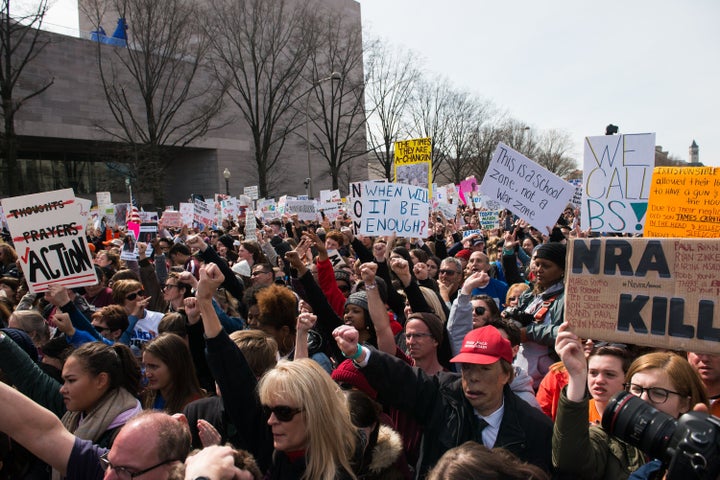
(313, 435)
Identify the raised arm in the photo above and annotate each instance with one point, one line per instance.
(376, 307)
(35, 428)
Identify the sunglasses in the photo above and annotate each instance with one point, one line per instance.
(512, 299)
(282, 412)
(134, 295)
(447, 272)
(100, 329)
(480, 310)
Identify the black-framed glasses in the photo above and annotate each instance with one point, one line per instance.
(480, 310)
(656, 395)
(410, 336)
(282, 412)
(134, 295)
(125, 472)
(449, 273)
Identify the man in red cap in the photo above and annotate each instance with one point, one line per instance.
(475, 405)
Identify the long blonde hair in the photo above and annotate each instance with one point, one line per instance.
(331, 435)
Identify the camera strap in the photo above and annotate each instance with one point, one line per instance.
(544, 307)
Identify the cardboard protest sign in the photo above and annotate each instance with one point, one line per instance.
(413, 162)
(49, 236)
(684, 202)
(336, 259)
(331, 210)
(647, 291)
(525, 188)
(230, 208)
(387, 208)
(305, 209)
(617, 172)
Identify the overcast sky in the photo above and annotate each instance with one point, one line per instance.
(646, 66)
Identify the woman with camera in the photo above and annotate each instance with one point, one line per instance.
(664, 380)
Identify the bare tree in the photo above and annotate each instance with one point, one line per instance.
(20, 43)
(430, 111)
(158, 89)
(340, 122)
(262, 47)
(554, 152)
(390, 77)
(466, 116)
(483, 142)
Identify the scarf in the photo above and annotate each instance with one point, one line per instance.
(98, 420)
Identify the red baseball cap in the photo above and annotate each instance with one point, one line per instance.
(484, 346)
(464, 253)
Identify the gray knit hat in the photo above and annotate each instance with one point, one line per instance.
(359, 299)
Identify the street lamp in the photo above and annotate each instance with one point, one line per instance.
(335, 77)
(226, 174)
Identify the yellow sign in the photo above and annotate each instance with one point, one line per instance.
(413, 162)
(684, 202)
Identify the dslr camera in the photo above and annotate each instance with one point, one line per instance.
(688, 447)
(517, 315)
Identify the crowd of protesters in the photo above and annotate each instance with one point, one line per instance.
(308, 352)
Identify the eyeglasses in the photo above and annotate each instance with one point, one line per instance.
(410, 336)
(449, 273)
(170, 285)
(512, 299)
(100, 329)
(479, 310)
(134, 295)
(124, 472)
(656, 395)
(258, 272)
(282, 412)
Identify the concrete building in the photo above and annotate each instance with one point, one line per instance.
(62, 146)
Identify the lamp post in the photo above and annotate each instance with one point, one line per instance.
(335, 77)
(226, 174)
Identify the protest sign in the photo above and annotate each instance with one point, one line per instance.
(103, 198)
(129, 248)
(204, 213)
(148, 232)
(305, 209)
(106, 213)
(49, 237)
(172, 219)
(645, 291)
(489, 219)
(447, 209)
(84, 207)
(525, 188)
(336, 259)
(387, 208)
(267, 208)
(230, 208)
(251, 191)
(616, 182)
(413, 162)
(121, 213)
(466, 188)
(331, 210)
(485, 202)
(576, 199)
(148, 217)
(684, 202)
(250, 226)
(187, 210)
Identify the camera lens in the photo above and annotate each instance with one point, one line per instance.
(636, 422)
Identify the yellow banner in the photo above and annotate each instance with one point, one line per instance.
(684, 202)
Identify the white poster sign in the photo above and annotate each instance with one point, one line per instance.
(617, 176)
(525, 188)
(49, 236)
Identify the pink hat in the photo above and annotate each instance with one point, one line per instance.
(484, 346)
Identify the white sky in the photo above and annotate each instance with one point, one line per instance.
(644, 65)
